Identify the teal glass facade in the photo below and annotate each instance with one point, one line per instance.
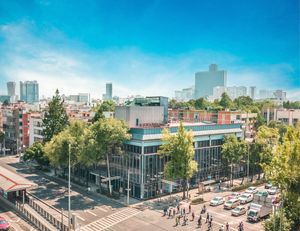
(146, 166)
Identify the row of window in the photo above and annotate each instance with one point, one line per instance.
(154, 149)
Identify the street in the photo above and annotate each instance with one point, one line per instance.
(17, 223)
(96, 212)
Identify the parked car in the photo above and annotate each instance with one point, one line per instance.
(268, 185)
(251, 190)
(231, 204)
(273, 190)
(217, 201)
(262, 193)
(239, 210)
(4, 225)
(245, 198)
(234, 195)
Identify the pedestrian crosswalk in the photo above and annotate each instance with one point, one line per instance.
(113, 219)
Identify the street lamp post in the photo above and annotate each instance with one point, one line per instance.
(69, 190)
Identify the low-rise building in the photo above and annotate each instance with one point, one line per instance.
(35, 128)
(286, 116)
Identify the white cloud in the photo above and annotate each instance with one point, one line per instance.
(73, 68)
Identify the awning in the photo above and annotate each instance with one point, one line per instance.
(10, 181)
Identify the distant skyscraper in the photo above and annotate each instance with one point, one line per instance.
(108, 94)
(205, 81)
(253, 92)
(11, 88)
(11, 91)
(29, 91)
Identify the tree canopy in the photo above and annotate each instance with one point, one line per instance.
(284, 171)
(180, 149)
(106, 105)
(55, 118)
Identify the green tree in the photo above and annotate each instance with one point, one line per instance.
(36, 153)
(277, 221)
(233, 151)
(243, 102)
(225, 101)
(284, 170)
(201, 103)
(180, 149)
(55, 118)
(109, 135)
(106, 105)
(267, 139)
(70, 140)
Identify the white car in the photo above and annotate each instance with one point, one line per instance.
(251, 190)
(234, 195)
(217, 201)
(273, 190)
(245, 198)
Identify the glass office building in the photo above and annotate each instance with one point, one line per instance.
(144, 166)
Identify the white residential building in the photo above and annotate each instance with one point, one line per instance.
(35, 128)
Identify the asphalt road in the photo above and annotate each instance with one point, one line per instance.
(99, 213)
(17, 223)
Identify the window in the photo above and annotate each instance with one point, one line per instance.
(204, 143)
(151, 149)
(216, 142)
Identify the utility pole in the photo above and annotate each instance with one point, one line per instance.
(248, 162)
(128, 185)
(69, 190)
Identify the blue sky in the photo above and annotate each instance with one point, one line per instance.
(148, 47)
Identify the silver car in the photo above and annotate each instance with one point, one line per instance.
(240, 210)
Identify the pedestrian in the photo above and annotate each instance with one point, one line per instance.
(184, 211)
(190, 208)
(165, 211)
(227, 226)
(179, 220)
(199, 221)
(178, 207)
(170, 211)
(193, 216)
(176, 221)
(221, 228)
(211, 218)
(207, 218)
(174, 212)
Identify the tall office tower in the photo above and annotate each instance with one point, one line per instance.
(205, 81)
(108, 94)
(29, 91)
(11, 88)
(253, 92)
(11, 91)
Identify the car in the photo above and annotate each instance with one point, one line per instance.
(268, 185)
(262, 193)
(4, 225)
(239, 210)
(251, 190)
(234, 195)
(245, 198)
(217, 201)
(231, 204)
(273, 190)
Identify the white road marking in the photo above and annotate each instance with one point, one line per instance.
(91, 213)
(102, 209)
(79, 217)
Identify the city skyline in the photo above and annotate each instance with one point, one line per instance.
(140, 47)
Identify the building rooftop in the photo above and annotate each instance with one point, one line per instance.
(10, 181)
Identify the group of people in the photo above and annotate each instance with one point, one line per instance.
(183, 214)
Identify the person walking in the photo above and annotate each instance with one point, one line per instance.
(190, 208)
(178, 207)
(176, 221)
(227, 227)
(174, 213)
(170, 212)
(207, 218)
(221, 228)
(193, 216)
(199, 221)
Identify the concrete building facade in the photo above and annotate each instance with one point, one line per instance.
(205, 81)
